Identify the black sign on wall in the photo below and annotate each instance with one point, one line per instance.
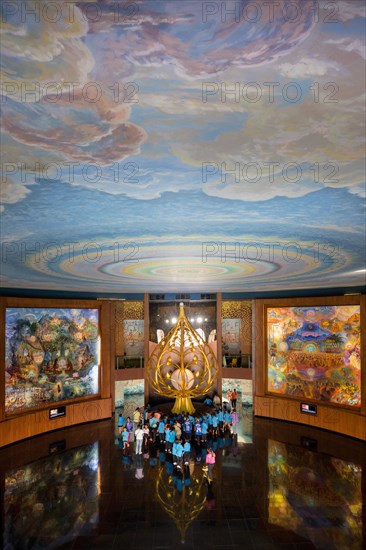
(308, 408)
(57, 412)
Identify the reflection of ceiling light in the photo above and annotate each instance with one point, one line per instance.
(174, 320)
(355, 273)
(199, 319)
(206, 319)
(166, 320)
(192, 320)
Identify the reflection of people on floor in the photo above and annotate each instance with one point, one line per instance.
(139, 473)
(210, 498)
(127, 456)
(235, 447)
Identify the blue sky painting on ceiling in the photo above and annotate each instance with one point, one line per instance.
(183, 145)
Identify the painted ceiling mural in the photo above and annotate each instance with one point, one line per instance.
(183, 145)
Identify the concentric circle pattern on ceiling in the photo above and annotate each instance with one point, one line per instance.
(185, 265)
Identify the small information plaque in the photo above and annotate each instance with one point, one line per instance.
(308, 408)
(57, 412)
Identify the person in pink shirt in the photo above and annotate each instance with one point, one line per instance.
(210, 461)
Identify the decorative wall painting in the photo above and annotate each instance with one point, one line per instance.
(231, 336)
(51, 355)
(315, 353)
(133, 337)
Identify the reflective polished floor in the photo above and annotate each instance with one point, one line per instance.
(277, 485)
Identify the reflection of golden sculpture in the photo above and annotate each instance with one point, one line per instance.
(183, 507)
(182, 365)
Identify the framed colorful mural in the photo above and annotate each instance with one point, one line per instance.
(315, 353)
(51, 355)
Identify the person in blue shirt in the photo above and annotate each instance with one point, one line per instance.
(227, 419)
(198, 431)
(204, 429)
(187, 428)
(209, 420)
(161, 429)
(186, 452)
(153, 423)
(215, 423)
(168, 445)
(171, 440)
(178, 452)
(220, 416)
(121, 422)
(125, 439)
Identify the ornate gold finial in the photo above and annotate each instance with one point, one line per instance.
(182, 365)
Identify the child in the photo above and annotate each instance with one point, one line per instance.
(125, 439)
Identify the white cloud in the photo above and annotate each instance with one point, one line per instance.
(306, 67)
(346, 10)
(11, 192)
(349, 45)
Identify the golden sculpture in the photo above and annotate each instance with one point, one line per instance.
(182, 365)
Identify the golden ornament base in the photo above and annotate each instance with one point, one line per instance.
(183, 405)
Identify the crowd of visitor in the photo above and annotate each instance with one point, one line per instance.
(181, 440)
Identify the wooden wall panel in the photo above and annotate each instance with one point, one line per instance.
(329, 417)
(107, 359)
(232, 372)
(35, 423)
(129, 374)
